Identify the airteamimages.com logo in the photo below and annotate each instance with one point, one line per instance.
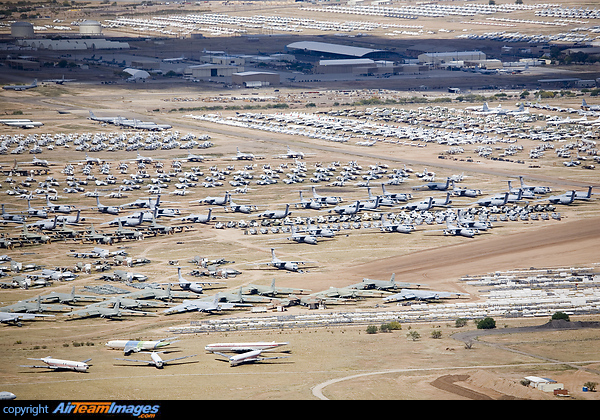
(141, 411)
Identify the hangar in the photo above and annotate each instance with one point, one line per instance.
(314, 51)
(255, 78)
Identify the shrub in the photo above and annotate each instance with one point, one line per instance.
(486, 323)
(436, 334)
(560, 315)
(371, 329)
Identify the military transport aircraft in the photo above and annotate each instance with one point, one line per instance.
(271, 290)
(283, 265)
(367, 284)
(21, 87)
(411, 294)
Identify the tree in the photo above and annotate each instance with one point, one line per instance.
(591, 386)
(486, 323)
(371, 329)
(560, 315)
(436, 334)
(460, 322)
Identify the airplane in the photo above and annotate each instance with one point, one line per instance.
(248, 357)
(97, 237)
(215, 201)
(292, 154)
(201, 305)
(421, 205)
(566, 198)
(243, 156)
(486, 110)
(493, 201)
(367, 284)
(348, 209)
(33, 305)
(244, 347)
(156, 361)
(192, 286)
(271, 290)
(104, 312)
(283, 265)
(21, 87)
(110, 120)
(194, 158)
(67, 297)
(536, 189)
(44, 224)
(33, 237)
(33, 212)
(96, 253)
(241, 208)
(395, 196)
(55, 208)
(134, 346)
(343, 293)
(61, 364)
(438, 186)
(519, 111)
(8, 217)
(302, 238)
(106, 209)
(567, 120)
(174, 59)
(22, 123)
(198, 218)
(122, 232)
(276, 214)
(410, 294)
(584, 105)
(15, 318)
(240, 299)
(59, 81)
(460, 231)
(580, 195)
(329, 200)
(465, 192)
(396, 227)
(308, 204)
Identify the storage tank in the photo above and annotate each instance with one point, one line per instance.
(21, 30)
(90, 27)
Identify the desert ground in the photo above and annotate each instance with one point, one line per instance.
(334, 362)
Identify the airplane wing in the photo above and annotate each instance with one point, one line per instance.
(178, 358)
(273, 357)
(148, 362)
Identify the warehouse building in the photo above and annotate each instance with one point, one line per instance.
(314, 51)
(255, 78)
(205, 71)
(439, 58)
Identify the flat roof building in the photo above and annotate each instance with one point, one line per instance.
(255, 78)
(313, 51)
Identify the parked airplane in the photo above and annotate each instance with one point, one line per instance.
(276, 214)
(156, 361)
(584, 105)
(411, 294)
(421, 205)
(9, 217)
(174, 59)
(97, 237)
(56, 208)
(438, 186)
(536, 189)
(329, 200)
(61, 364)
(104, 312)
(302, 238)
(201, 305)
(198, 218)
(15, 318)
(283, 265)
(21, 87)
(192, 286)
(395, 196)
(566, 198)
(459, 231)
(33, 305)
(33, 212)
(67, 297)
(493, 201)
(59, 81)
(396, 227)
(244, 347)
(241, 208)
(367, 284)
(271, 290)
(248, 357)
(214, 201)
(134, 346)
(244, 156)
(347, 209)
(106, 209)
(21, 123)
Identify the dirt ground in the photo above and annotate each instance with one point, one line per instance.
(361, 365)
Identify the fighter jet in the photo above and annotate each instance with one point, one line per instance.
(21, 87)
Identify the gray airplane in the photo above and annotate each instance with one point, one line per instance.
(208, 304)
(68, 297)
(33, 237)
(13, 318)
(104, 311)
(58, 208)
(411, 294)
(156, 360)
(271, 290)
(329, 200)
(283, 265)
(438, 186)
(192, 286)
(106, 209)
(390, 284)
(396, 227)
(276, 214)
(33, 305)
(21, 87)
(566, 198)
(95, 237)
(9, 217)
(198, 218)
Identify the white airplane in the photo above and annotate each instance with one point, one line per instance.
(134, 346)
(584, 105)
(22, 123)
(21, 87)
(175, 59)
(243, 347)
(248, 357)
(59, 81)
(243, 156)
(61, 364)
(156, 361)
